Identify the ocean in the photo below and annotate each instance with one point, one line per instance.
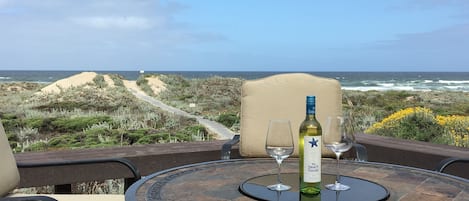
(362, 81)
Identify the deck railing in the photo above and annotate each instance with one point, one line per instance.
(156, 157)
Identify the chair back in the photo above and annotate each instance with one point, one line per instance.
(283, 96)
(9, 174)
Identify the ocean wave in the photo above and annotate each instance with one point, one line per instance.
(5, 78)
(462, 88)
(453, 81)
(386, 84)
(377, 88)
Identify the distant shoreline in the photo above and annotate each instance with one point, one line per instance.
(359, 81)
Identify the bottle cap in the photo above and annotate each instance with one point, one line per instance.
(310, 99)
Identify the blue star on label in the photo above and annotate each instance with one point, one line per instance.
(313, 142)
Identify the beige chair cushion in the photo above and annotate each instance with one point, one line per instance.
(77, 197)
(283, 96)
(9, 174)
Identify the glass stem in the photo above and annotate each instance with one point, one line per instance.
(278, 172)
(338, 170)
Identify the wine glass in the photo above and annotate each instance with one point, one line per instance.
(338, 144)
(279, 145)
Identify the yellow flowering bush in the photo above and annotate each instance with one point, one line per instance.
(457, 128)
(394, 119)
(416, 123)
(419, 123)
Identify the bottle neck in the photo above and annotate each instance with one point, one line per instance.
(310, 110)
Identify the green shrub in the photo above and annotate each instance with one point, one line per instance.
(10, 124)
(67, 140)
(142, 82)
(5, 116)
(36, 122)
(456, 128)
(410, 123)
(228, 120)
(196, 129)
(419, 127)
(66, 124)
(100, 81)
(154, 138)
(58, 141)
(181, 137)
(117, 79)
(38, 146)
(132, 137)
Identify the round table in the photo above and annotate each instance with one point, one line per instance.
(361, 190)
(220, 180)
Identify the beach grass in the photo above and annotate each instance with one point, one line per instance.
(215, 98)
(98, 115)
(92, 115)
(218, 98)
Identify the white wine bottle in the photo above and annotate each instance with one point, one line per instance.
(310, 151)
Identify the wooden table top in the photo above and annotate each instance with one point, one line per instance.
(219, 180)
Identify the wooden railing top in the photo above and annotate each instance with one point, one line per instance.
(412, 145)
(156, 157)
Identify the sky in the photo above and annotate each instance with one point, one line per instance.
(235, 35)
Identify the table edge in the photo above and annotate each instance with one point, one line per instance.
(132, 190)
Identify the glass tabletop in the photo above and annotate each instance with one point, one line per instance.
(361, 190)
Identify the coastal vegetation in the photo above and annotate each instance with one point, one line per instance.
(218, 98)
(215, 98)
(432, 116)
(101, 114)
(91, 115)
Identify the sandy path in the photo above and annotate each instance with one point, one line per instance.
(220, 130)
(157, 86)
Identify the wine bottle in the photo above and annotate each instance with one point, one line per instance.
(310, 151)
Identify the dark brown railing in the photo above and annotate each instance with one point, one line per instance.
(152, 158)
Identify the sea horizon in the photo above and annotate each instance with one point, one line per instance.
(350, 80)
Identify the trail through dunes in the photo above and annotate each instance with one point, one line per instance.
(157, 86)
(216, 128)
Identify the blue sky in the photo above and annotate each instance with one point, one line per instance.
(236, 35)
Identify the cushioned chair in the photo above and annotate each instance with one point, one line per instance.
(284, 96)
(10, 177)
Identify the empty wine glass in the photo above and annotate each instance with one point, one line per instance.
(339, 140)
(279, 145)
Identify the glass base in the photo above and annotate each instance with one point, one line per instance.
(279, 187)
(337, 187)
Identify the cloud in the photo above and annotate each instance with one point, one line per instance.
(453, 37)
(3, 3)
(131, 22)
(97, 32)
(460, 7)
(440, 49)
(431, 4)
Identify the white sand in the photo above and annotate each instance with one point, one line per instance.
(72, 81)
(156, 84)
(109, 81)
(87, 77)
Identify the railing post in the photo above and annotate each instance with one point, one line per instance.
(128, 182)
(63, 189)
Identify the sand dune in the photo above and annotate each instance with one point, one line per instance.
(72, 81)
(87, 77)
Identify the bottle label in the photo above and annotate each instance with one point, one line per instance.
(312, 159)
